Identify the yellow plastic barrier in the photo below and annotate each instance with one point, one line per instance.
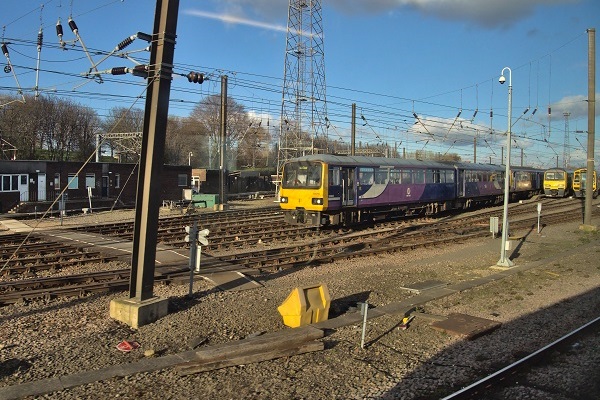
(305, 306)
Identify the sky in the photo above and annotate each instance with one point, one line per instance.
(422, 73)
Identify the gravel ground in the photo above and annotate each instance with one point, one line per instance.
(44, 340)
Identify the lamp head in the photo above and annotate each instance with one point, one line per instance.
(502, 79)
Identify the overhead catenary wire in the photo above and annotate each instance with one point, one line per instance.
(251, 83)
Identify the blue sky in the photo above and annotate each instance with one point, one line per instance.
(393, 58)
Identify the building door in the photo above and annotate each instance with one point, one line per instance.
(23, 187)
(41, 180)
(104, 185)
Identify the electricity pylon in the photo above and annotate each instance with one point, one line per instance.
(303, 107)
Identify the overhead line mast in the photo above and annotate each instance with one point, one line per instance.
(303, 107)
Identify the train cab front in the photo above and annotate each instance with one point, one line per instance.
(302, 196)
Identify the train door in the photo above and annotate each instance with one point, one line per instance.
(348, 192)
(461, 183)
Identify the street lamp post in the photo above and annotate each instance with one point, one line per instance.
(190, 154)
(504, 260)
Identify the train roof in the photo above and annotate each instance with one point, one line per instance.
(394, 162)
(558, 169)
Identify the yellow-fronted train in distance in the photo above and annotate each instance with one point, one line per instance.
(558, 182)
(580, 183)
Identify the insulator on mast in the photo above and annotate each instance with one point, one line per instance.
(73, 25)
(118, 70)
(126, 42)
(5, 50)
(40, 39)
(144, 36)
(140, 70)
(59, 29)
(59, 33)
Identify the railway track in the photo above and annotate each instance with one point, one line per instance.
(315, 248)
(516, 373)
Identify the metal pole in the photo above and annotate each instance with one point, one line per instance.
(353, 131)
(504, 260)
(156, 112)
(587, 218)
(364, 309)
(193, 240)
(222, 168)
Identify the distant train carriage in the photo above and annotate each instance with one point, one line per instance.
(580, 183)
(525, 182)
(557, 182)
(331, 190)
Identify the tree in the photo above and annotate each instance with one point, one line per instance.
(206, 117)
(253, 147)
(183, 139)
(49, 129)
(125, 121)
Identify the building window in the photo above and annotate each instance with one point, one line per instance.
(182, 180)
(6, 183)
(117, 180)
(10, 183)
(73, 180)
(90, 180)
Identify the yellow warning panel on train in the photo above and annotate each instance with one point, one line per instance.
(305, 305)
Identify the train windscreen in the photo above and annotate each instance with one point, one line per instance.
(302, 175)
(555, 176)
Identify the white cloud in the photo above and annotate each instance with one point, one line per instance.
(234, 19)
(491, 13)
(576, 105)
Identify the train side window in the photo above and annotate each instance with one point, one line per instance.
(365, 176)
(381, 175)
(406, 176)
(432, 176)
(418, 176)
(472, 176)
(449, 176)
(429, 178)
(334, 177)
(395, 176)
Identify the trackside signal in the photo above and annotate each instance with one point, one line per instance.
(195, 77)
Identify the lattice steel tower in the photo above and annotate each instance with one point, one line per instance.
(303, 107)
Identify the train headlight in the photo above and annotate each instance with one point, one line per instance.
(317, 201)
(283, 199)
